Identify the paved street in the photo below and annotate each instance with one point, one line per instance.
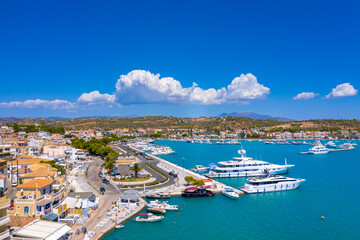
(143, 163)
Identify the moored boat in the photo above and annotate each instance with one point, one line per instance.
(330, 144)
(271, 183)
(119, 226)
(200, 168)
(230, 193)
(245, 167)
(318, 149)
(156, 210)
(158, 196)
(163, 205)
(148, 217)
(197, 192)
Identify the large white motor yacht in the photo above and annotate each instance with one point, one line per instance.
(318, 149)
(245, 166)
(271, 183)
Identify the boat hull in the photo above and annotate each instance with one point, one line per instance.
(232, 196)
(272, 188)
(212, 174)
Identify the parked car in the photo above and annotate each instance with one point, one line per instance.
(102, 190)
(106, 181)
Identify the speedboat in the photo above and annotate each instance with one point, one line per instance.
(200, 168)
(163, 205)
(230, 193)
(148, 217)
(245, 167)
(271, 183)
(156, 210)
(158, 196)
(318, 149)
(119, 226)
(346, 146)
(197, 192)
(268, 142)
(330, 144)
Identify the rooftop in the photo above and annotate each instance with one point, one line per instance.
(32, 183)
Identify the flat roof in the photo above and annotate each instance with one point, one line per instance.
(40, 229)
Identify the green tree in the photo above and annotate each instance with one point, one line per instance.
(16, 127)
(189, 179)
(110, 165)
(136, 168)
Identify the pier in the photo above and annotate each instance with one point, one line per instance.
(176, 189)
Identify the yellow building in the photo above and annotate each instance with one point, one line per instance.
(36, 198)
(4, 219)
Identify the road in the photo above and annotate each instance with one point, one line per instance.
(143, 163)
(112, 193)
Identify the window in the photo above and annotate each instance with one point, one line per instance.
(26, 209)
(44, 191)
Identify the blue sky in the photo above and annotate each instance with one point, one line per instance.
(243, 56)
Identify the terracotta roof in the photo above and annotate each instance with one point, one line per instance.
(21, 170)
(32, 183)
(41, 166)
(207, 180)
(17, 221)
(39, 173)
(28, 161)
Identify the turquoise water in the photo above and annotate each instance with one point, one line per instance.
(332, 190)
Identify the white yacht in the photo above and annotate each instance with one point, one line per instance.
(330, 144)
(318, 149)
(230, 193)
(346, 146)
(271, 183)
(245, 166)
(148, 217)
(162, 151)
(200, 168)
(163, 205)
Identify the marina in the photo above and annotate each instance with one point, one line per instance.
(313, 199)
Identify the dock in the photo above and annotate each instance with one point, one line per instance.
(176, 189)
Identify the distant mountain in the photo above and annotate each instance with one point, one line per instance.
(253, 116)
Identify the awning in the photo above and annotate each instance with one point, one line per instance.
(51, 216)
(43, 203)
(59, 233)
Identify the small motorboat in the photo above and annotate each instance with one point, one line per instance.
(200, 168)
(148, 217)
(230, 193)
(330, 144)
(119, 226)
(156, 210)
(163, 205)
(158, 196)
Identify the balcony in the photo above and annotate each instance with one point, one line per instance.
(5, 234)
(4, 220)
(4, 203)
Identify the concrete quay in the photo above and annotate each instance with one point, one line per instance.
(176, 188)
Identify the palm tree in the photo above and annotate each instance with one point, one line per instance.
(136, 168)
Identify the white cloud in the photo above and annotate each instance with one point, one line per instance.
(54, 104)
(95, 97)
(342, 90)
(141, 86)
(305, 96)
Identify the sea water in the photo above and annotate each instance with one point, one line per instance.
(332, 190)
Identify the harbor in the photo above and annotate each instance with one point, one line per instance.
(307, 202)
